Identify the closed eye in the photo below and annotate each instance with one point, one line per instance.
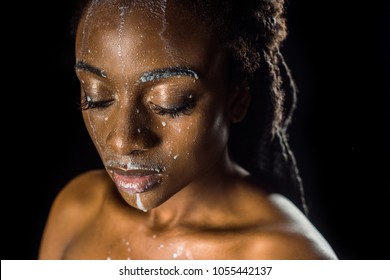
(88, 103)
(174, 111)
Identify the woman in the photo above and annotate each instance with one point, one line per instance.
(187, 103)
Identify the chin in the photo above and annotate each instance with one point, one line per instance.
(145, 201)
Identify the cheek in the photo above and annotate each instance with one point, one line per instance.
(200, 138)
(96, 126)
(212, 134)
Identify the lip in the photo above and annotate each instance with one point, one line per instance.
(135, 180)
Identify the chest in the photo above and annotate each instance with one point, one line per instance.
(135, 243)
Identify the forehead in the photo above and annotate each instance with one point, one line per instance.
(160, 33)
(113, 13)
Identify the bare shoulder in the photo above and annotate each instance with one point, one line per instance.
(288, 234)
(75, 206)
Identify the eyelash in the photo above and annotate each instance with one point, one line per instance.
(174, 112)
(87, 103)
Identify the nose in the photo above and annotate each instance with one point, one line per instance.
(130, 133)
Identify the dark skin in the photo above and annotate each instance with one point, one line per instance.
(158, 106)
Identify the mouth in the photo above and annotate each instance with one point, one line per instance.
(137, 180)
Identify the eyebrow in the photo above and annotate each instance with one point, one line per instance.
(82, 65)
(168, 72)
(149, 76)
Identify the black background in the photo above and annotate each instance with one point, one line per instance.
(339, 57)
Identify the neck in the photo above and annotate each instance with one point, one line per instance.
(201, 201)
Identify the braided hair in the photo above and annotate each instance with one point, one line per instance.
(253, 32)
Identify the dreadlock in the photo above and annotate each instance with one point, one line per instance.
(253, 32)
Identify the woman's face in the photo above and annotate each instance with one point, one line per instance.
(155, 97)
